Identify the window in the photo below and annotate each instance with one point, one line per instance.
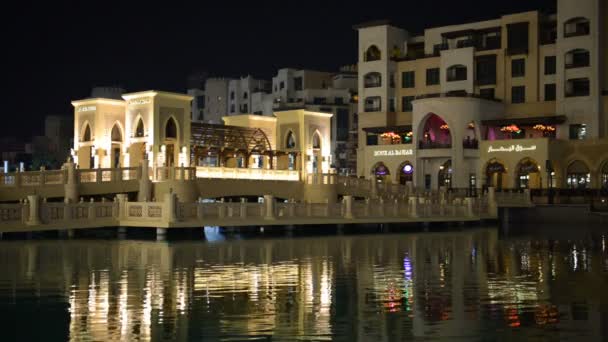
(486, 70)
(200, 102)
(171, 129)
(342, 118)
(372, 140)
(518, 94)
(282, 85)
(408, 79)
(518, 67)
(338, 100)
(517, 38)
(576, 27)
(577, 58)
(373, 104)
(577, 87)
(139, 131)
(487, 93)
(550, 92)
(372, 80)
(318, 100)
(245, 95)
(297, 83)
(578, 131)
(391, 104)
(232, 108)
(232, 95)
(432, 76)
(548, 33)
(372, 54)
(391, 80)
(87, 133)
(115, 134)
(550, 62)
(406, 103)
(290, 142)
(457, 73)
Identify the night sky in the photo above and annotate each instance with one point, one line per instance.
(57, 51)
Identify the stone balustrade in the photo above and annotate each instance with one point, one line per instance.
(246, 173)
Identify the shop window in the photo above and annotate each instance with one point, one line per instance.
(518, 94)
(457, 73)
(550, 92)
(550, 65)
(518, 67)
(432, 76)
(406, 173)
(578, 175)
(408, 79)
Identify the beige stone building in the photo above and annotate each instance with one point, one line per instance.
(515, 102)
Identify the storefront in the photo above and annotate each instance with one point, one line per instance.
(390, 163)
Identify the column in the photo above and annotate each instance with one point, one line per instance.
(34, 210)
(269, 205)
(145, 185)
(170, 204)
(71, 186)
(348, 204)
(492, 206)
(122, 205)
(413, 206)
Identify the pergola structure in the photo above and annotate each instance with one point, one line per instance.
(229, 141)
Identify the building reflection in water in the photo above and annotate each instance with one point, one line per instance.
(362, 287)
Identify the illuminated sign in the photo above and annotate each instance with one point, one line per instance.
(141, 101)
(86, 109)
(512, 148)
(393, 153)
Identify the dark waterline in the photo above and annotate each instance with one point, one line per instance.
(536, 283)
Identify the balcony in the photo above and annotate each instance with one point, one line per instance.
(372, 84)
(465, 43)
(424, 145)
(471, 144)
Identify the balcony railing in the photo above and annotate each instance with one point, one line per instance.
(472, 144)
(433, 145)
(372, 109)
(372, 84)
(579, 31)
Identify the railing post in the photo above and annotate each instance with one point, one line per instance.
(182, 173)
(367, 207)
(91, 214)
(413, 206)
(469, 207)
(67, 212)
(221, 209)
(42, 176)
(348, 210)
(243, 208)
(396, 207)
(492, 205)
(122, 206)
(269, 204)
(98, 175)
(170, 204)
(145, 185)
(373, 186)
(34, 210)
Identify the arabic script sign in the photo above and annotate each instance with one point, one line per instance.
(393, 153)
(86, 109)
(140, 101)
(512, 148)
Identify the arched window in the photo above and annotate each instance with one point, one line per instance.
(578, 175)
(577, 58)
(576, 27)
(381, 172)
(372, 80)
(116, 134)
(290, 142)
(527, 174)
(435, 133)
(457, 72)
(316, 140)
(405, 172)
(86, 136)
(171, 129)
(139, 131)
(373, 54)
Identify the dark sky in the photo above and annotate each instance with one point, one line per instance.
(57, 51)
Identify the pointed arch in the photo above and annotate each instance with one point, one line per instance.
(171, 128)
(290, 140)
(434, 132)
(316, 141)
(140, 129)
(116, 132)
(85, 132)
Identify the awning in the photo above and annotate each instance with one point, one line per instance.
(546, 120)
(384, 129)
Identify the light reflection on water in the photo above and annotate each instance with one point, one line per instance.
(467, 285)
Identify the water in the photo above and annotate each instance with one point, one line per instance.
(466, 285)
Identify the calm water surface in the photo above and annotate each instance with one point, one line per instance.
(465, 285)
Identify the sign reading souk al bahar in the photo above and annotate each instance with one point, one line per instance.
(512, 148)
(393, 153)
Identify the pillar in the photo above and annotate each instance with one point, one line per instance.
(91, 214)
(145, 185)
(374, 186)
(243, 208)
(200, 213)
(348, 207)
(468, 202)
(413, 206)
(67, 209)
(170, 204)
(122, 205)
(34, 210)
(71, 185)
(269, 205)
(492, 206)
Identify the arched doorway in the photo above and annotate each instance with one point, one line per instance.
(405, 172)
(137, 148)
(170, 142)
(444, 177)
(578, 175)
(527, 175)
(435, 133)
(317, 157)
(116, 136)
(495, 174)
(381, 172)
(604, 175)
(86, 158)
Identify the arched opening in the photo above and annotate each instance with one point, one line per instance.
(456, 72)
(578, 175)
(444, 177)
(373, 104)
(139, 130)
(577, 58)
(578, 26)
(372, 80)
(495, 174)
(316, 141)
(290, 141)
(527, 174)
(405, 172)
(381, 172)
(436, 133)
(604, 175)
(116, 136)
(470, 137)
(373, 54)
(317, 158)
(86, 135)
(170, 141)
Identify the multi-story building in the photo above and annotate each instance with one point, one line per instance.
(515, 102)
(240, 98)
